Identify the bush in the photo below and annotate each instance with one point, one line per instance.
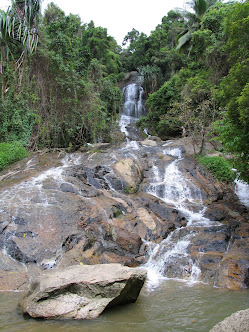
(219, 167)
(10, 153)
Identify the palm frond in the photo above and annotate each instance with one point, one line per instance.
(184, 39)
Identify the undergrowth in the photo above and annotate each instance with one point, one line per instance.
(219, 167)
(10, 153)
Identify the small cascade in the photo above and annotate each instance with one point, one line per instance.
(133, 101)
(30, 198)
(21, 193)
(176, 190)
(171, 258)
(242, 191)
(132, 145)
(133, 108)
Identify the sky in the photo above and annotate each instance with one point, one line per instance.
(118, 17)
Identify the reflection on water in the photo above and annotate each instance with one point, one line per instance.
(173, 306)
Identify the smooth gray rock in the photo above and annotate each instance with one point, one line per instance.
(82, 292)
(237, 322)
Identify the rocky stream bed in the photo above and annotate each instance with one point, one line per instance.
(109, 204)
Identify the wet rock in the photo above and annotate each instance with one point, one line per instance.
(165, 212)
(215, 214)
(93, 178)
(237, 322)
(128, 241)
(82, 292)
(196, 175)
(129, 78)
(84, 215)
(149, 142)
(130, 171)
(49, 184)
(209, 263)
(134, 134)
(234, 272)
(67, 187)
(234, 266)
(13, 275)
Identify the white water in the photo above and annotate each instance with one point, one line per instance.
(242, 191)
(173, 188)
(176, 190)
(23, 192)
(133, 106)
(133, 101)
(132, 145)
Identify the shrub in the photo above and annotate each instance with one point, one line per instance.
(219, 167)
(10, 153)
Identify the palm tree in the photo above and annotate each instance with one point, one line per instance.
(18, 25)
(26, 12)
(7, 32)
(200, 7)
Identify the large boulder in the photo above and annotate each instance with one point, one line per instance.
(237, 322)
(82, 292)
(130, 171)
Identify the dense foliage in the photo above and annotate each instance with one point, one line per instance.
(219, 167)
(208, 92)
(65, 93)
(59, 77)
(10, 153)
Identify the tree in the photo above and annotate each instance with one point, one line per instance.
(6, 32)
(233, 130)
(151, 76)
(26, 12)
(200, 7)
(18, 25)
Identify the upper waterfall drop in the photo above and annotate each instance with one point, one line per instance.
(133, 101)
(133, 106)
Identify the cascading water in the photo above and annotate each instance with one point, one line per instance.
(171, 258)
(20, 200)
(48, 215)
(242, 191)
(133, 106)
(22, 192)
(175, 189)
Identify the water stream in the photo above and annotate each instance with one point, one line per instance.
(171, 257)
(173, 298)
(133, 107)
(242, 190)
(173, 306)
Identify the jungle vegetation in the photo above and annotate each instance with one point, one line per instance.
(59, 76)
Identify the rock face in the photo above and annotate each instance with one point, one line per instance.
(129, 78)
(82, 292)
(100, 206)
(237, 322)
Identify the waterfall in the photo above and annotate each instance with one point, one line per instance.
(175, 189)
(133, 107)
(242, 191)
(171, 258)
